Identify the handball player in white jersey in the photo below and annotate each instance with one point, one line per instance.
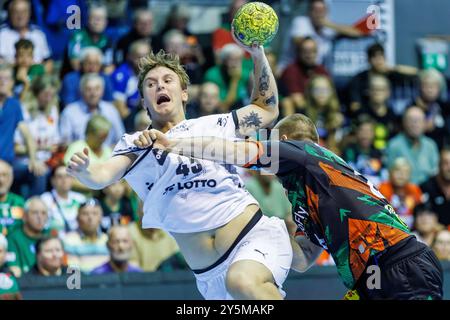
(233, 250)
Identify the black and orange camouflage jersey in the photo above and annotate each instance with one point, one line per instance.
(333, 205)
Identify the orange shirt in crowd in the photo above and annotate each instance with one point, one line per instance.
(403, 205)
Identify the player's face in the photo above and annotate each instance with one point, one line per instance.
(163, 95)
(444, 166)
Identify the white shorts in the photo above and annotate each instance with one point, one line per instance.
(267, 243)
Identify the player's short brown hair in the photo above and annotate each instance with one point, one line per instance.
(162, 59)
(298, 127)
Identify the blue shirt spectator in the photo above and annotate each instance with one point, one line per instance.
(76, 115)
(10, 117)
(125, 83)
(420, 151)
(91, 61)
(70, 91)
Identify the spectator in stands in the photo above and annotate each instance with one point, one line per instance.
(76, 115)
(420, 151)
(91, 60)
(49, 258)
(124, 79)
(400, 192)
(426, 224)
(92, 36)
(97, 131)
(19, 27)
(441, 245)
(11, 204)
(317, 26)
(9, 288)
(22, 240)
(362, 155)
(295, 77)
(231, 78)
(222, 36)
(191, 56)
(323, 107)
(178, 19)
(41, 116)
(62, 202)
(120, 246)
(208, 102)
(437, 189)
(116, 206)
(151, 246)
(359, 84)
(11, 119)
(429, 100)
(378, 108)
(142, 121)
(142, 30)
(86, 248)
(25, 70)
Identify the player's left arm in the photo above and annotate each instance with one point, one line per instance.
(263, 109)
(305, 253)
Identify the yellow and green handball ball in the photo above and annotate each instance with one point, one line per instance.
(255, 22)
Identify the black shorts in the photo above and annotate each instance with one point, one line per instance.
(408, 270)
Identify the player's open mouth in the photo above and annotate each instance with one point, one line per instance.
(162, 98)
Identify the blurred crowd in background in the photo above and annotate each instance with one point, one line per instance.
(64, 90)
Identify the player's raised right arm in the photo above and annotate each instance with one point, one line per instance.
(100, 175)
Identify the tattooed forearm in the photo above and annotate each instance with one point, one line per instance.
(264, 81)
(271, 101)
(251, 120)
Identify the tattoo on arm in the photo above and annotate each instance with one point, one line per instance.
(251, 120)
(264, 81)
(271, 101)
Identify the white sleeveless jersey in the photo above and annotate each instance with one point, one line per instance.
(181, 194)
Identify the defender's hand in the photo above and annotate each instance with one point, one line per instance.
(152, 137)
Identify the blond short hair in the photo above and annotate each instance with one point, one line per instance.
(162, 59)
(298, 127)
